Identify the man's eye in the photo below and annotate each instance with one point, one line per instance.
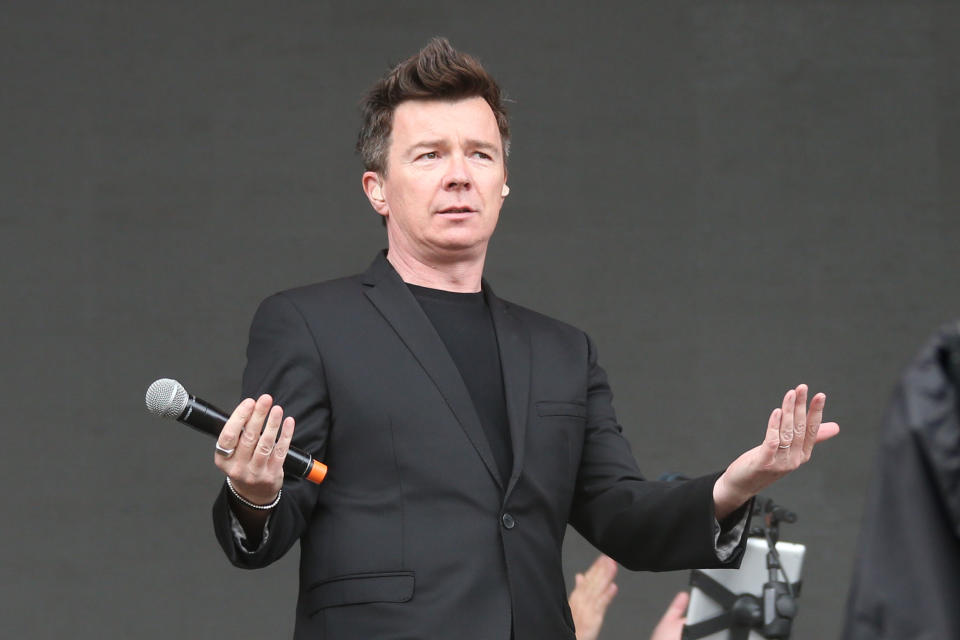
(482, 155)
(430, 155)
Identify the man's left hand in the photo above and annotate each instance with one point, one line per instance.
(791, 433)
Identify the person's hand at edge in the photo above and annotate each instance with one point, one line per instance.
(671, 624)
(591, 596)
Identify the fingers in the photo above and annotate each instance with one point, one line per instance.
(607, 596)
(679, 605)
(670, 626)
(786, 445)
(259, 438)
(799, 419)
(772, 439)
(813, 426)
(591, 596)
(283, 444)
(827, 431)
(262, 453)
(603, 568)
(252, 428)
(230, 434)
(786, 423)
(599, 577)
(596, 585)
(801, 427)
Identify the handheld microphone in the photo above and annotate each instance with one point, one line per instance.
(168, 399)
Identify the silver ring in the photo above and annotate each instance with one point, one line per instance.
(226, 453)
(783, 446)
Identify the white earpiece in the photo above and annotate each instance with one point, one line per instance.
(505, 191)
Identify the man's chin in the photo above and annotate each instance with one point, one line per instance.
(460, 248)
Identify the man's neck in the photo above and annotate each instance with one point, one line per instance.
(461, 276)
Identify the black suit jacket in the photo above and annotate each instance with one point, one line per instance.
(412, 534)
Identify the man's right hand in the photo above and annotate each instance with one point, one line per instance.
(256, 466)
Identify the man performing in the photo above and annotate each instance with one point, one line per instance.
(463, 432)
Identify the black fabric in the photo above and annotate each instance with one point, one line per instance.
(732, 520)
(466, 328)
(414, 494)
(906, 582)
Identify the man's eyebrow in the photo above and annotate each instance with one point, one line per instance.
(483, 144)
(425, 143)
(475, 144)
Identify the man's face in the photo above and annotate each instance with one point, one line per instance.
(444, 183)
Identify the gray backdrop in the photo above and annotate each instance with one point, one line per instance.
(731, 197)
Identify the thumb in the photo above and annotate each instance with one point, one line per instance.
(679, 605)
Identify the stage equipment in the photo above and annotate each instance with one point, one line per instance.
(758, 600)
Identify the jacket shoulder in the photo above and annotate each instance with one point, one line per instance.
(543, 323)
(330, 294)
(326, 290)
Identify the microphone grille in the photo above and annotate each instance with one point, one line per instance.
(166, 398)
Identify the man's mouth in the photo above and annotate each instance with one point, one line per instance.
(456, 210)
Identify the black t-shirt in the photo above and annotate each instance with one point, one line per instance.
(464, 324)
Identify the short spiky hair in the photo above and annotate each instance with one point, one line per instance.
(437, 72)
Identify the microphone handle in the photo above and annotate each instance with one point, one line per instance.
(206, 418)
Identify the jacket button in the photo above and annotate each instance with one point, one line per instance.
(508, 521)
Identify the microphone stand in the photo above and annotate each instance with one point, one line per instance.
(779, 598)
(771, 615)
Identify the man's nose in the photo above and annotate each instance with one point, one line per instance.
(458, 173)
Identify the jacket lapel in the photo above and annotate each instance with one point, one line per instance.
(514, 345)
(387, 291)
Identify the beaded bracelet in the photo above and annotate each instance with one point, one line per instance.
(245, 502)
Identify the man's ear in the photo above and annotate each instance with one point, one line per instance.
(373, 187)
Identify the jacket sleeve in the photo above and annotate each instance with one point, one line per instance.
(283, 360)
(642, 524)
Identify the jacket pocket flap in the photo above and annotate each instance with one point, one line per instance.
(360, 588)
(574, 409)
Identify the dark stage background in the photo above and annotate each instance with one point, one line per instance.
(731, 197)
